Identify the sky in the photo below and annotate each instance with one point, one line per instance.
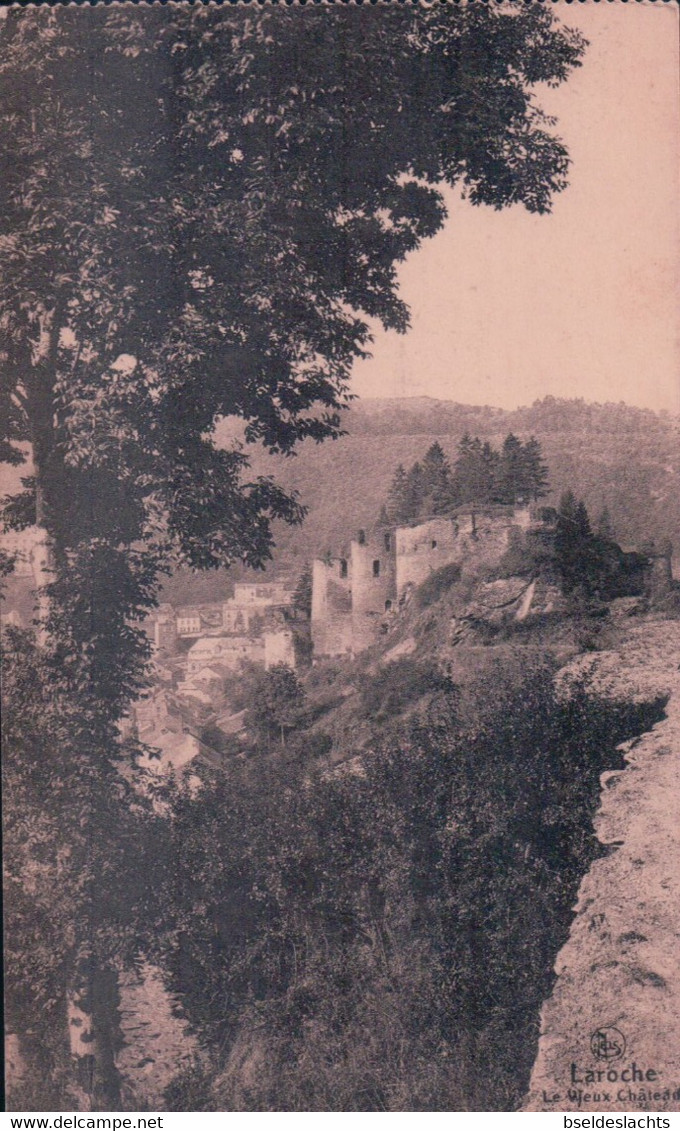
(507, 307)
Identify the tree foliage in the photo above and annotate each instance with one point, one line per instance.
(276, 701)
(481, 475)
(202, 208)
(376, 939)
(83, 863)
(302, 596)
(594, 565)
(199, 229)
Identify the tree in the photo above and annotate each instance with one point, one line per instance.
(302, 612)
(159, 271)
(302, 597)
(512, 470)
(582, 522)
(83, 866)
(604, 526)
(416, 491)
(399, 504)
(573, 544)
(276, 703)
(436, 480)
(201, 208)
(490, 472)
(472, 472)
(535, 470)
(521, 473)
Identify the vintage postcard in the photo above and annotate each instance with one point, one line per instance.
(341, 623)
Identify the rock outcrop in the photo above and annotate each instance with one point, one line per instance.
(610, 1032)
(155, 1043)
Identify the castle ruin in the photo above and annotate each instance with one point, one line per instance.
(354, 594)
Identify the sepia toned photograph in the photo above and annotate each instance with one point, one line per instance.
(340, 493)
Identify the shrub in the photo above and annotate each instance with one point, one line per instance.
(190, 1089)
(314, 744)
(383, 940)
(437, 584)
(399, 684)
(521, 560)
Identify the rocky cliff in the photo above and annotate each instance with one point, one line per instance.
(610, 1032)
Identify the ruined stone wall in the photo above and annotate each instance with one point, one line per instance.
(374, 587)
(279, 649)
(424, 548)
(331, 607)
(488, 542)
(352, 596)
(469, 539)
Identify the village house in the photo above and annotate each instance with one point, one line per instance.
(261, 594)
(229, 651)
(252, 608)
(156, 715)
(272, 647)
(188, 622)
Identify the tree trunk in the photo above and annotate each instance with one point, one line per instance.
(41, 411)
(91, 1013)
(94, 1035)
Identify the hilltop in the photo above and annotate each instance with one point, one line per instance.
(612, 455)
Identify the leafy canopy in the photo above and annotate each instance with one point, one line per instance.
(202, 206)
(197, 221)
(480, 475)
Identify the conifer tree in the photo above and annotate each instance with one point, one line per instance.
(437, 481)
(604, 525)
(472, 471)
(512, 470)
(416, 491)
(535, 479)
(584, 529)
(398, 506)
(574, 549)
(491, 475)
(302, 597)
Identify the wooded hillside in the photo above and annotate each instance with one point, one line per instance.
(616, 456)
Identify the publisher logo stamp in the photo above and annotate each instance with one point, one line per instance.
(607, 1043)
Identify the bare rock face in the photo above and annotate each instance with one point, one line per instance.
(156, 1044)
(610, 1032)
(495, 601)
(511, 599)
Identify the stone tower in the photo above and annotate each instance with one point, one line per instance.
(331, 607)
(374, 587)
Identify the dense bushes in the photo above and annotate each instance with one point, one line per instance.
(398, 684)
(84, 853)
(383, 940)
(438, 583)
